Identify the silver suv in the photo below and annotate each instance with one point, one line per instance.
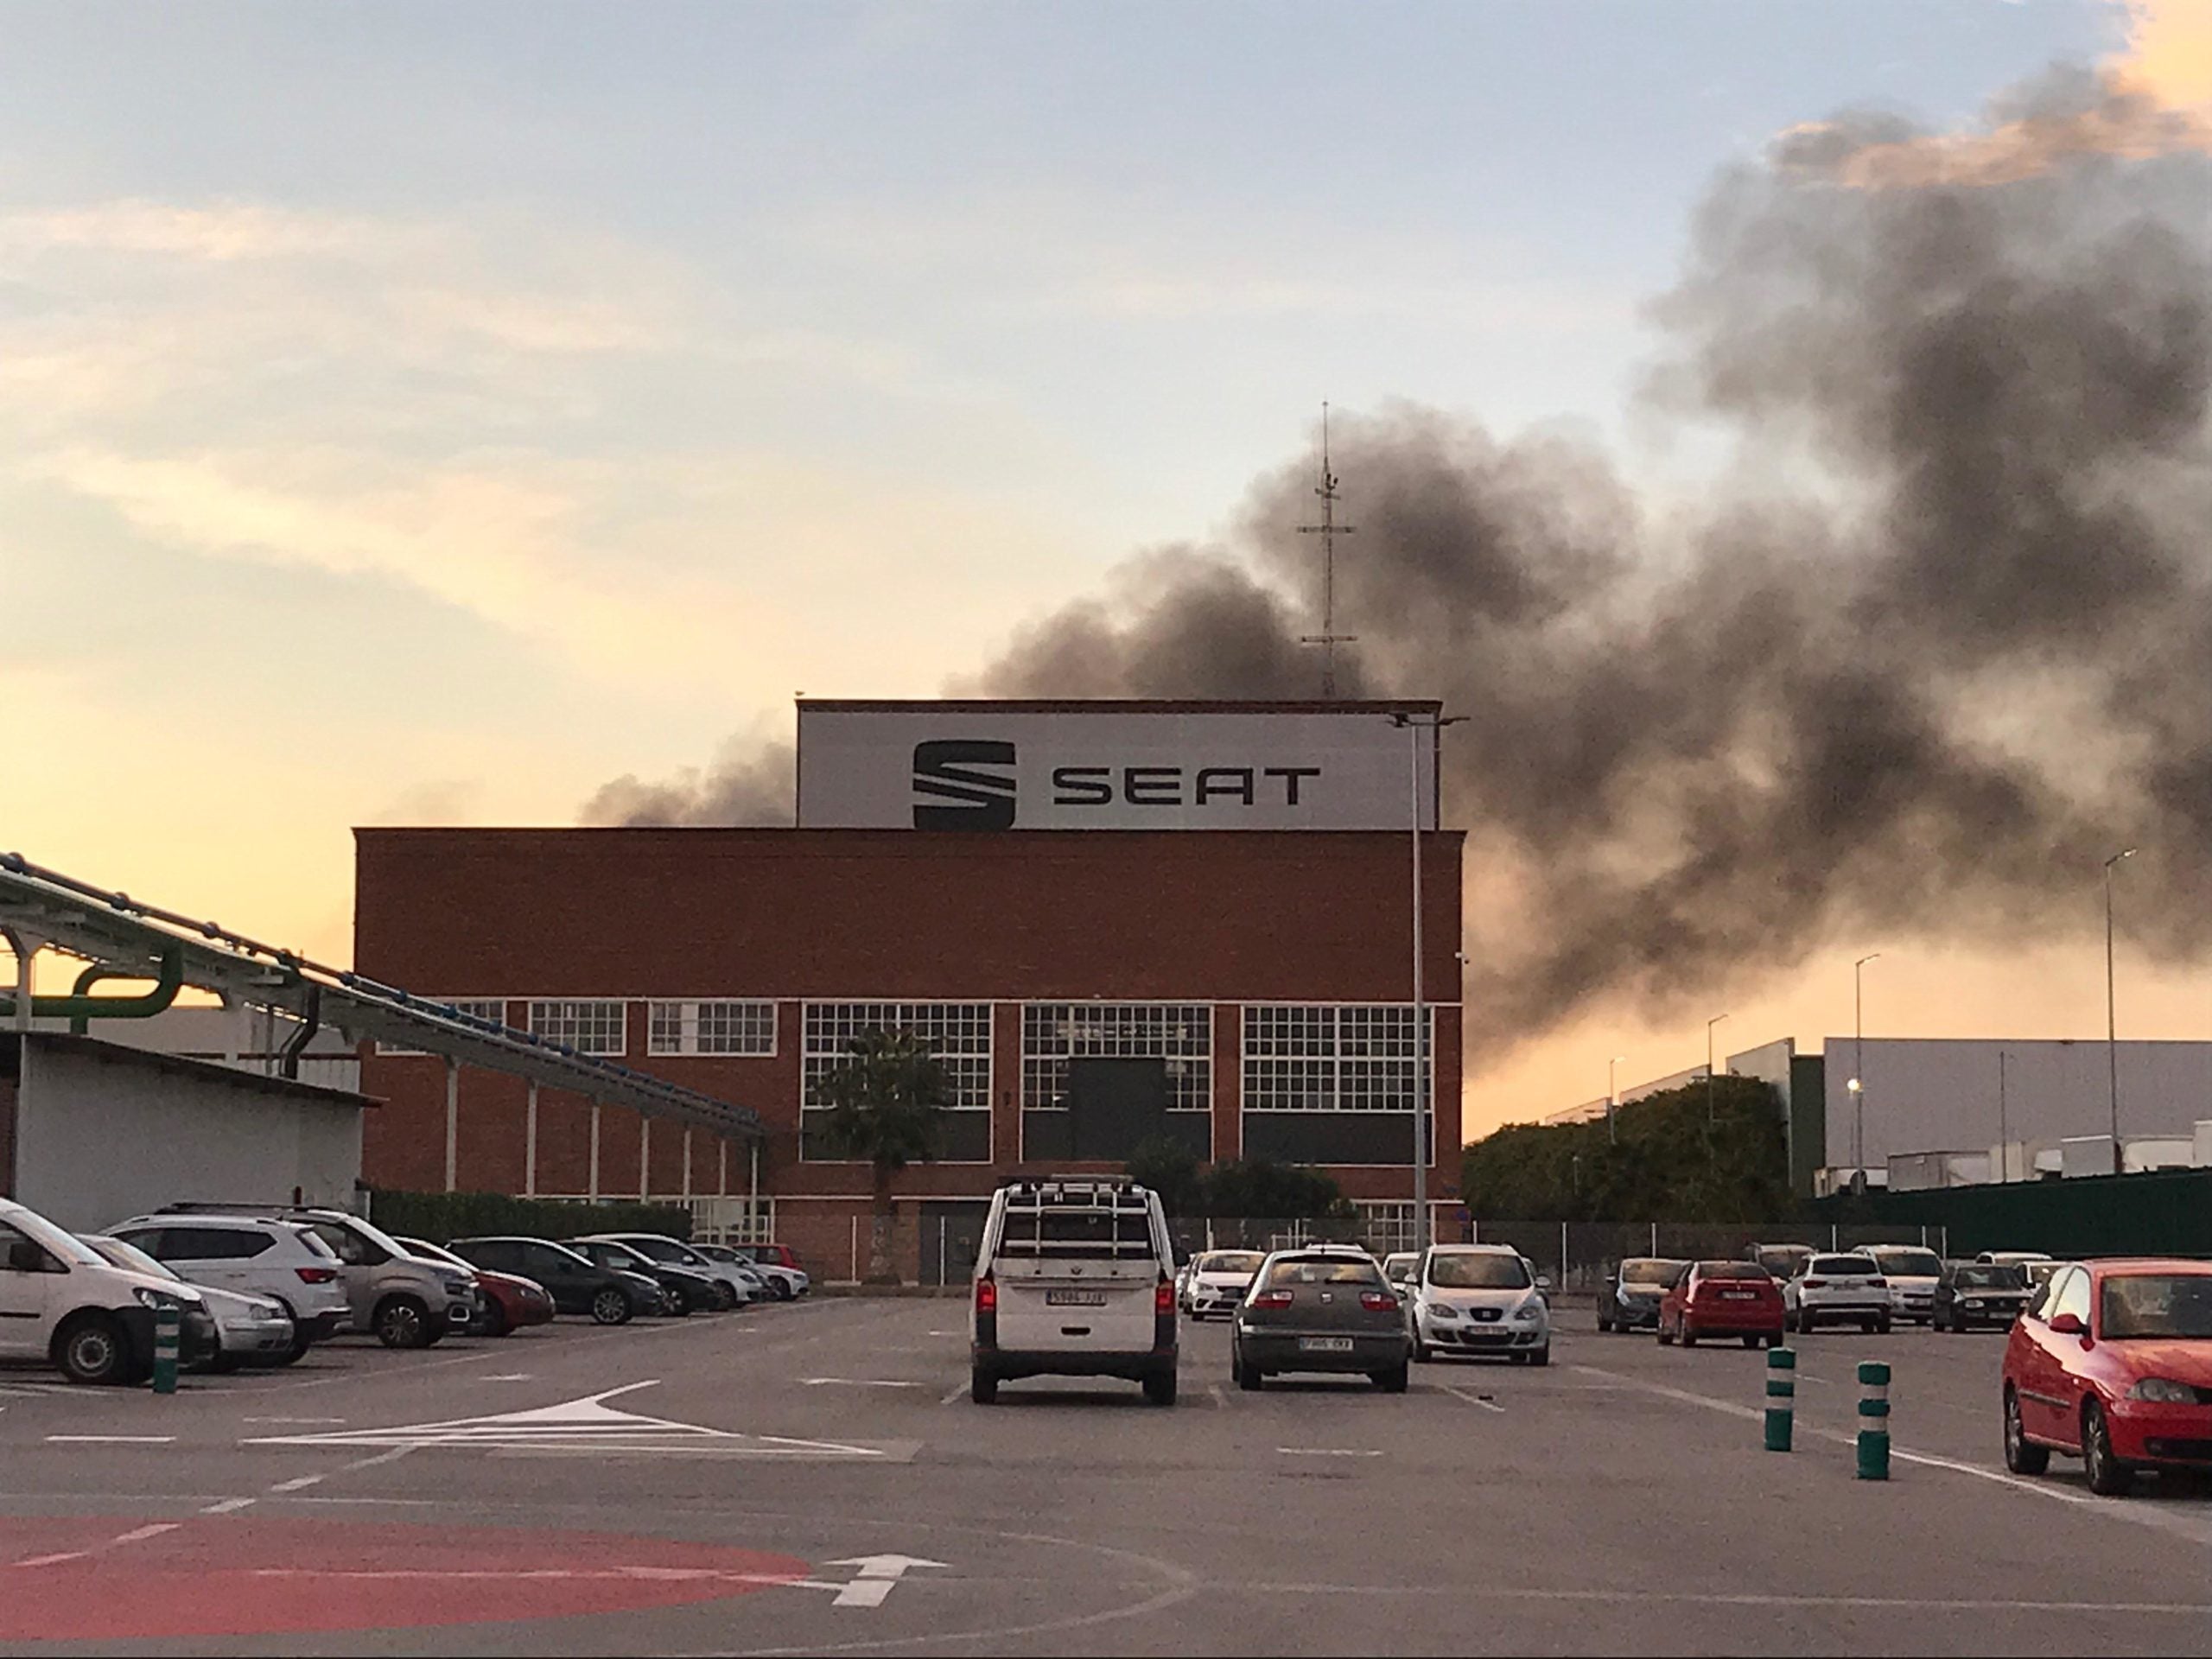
(403, 1301)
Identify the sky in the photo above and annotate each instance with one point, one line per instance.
(415, 414)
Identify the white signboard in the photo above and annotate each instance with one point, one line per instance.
(967, 765)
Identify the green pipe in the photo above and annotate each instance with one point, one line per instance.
(79, 1008)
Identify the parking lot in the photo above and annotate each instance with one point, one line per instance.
(813, 1478)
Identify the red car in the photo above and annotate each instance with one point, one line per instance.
(2113, 1364)
(776, 1255)
(1721, 1299)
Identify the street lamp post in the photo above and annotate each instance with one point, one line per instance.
(2112, 1014)
(2004, 1147)
(1709, 1024)
(1415, 725)
(1858, 1084)
(1612, 1098)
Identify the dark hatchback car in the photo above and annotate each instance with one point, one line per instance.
(1970, 1294)
(576, 1284)
(1320, 1310)
(684, 1291)
(1628, 1299)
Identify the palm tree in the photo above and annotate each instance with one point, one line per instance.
(887, 1101)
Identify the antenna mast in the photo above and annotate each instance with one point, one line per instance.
(1328, 529)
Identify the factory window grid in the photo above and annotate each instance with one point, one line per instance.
(1316, 1058)
(1178, 1034)
(959, 1033)
(492, 1008)
(745, 1027)
(594, 1026)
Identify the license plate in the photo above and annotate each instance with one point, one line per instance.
(1324, 1345)
(1740, 1295)
(1075, 1298)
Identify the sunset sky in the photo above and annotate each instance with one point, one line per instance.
(413, 414)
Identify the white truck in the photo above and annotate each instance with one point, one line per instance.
(1075, 1277)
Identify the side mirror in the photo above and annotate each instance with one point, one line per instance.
(1543, 1281)
(2069, 1324)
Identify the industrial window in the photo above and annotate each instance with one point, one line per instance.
(589, 1027)
(959, 1033)
(1179, 1034)
(722, 1028)
(1302, 1058)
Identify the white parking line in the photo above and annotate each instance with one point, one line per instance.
(953, 1394)
(1327, 1451)
(230, 1506)
(111, 1439)
(301, 1484)
(1472, 1399)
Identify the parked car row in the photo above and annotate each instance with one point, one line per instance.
(260, 1285)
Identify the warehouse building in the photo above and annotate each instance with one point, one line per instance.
(1113, 921)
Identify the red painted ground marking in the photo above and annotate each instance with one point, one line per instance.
(249, 1575)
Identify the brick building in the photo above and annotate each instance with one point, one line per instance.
(1246, 989)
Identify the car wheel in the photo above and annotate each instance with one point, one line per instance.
(1542, 1356)
(1752, 1342)
(1423, 1352)
(2108, 1475)
(1250, 1378)
(1689, 1336)
(402, 1322)
(1805, 1322)
(983, 1386)
(784, 1291)
(1604, 1324)
(611, 1307)
(725, 1297)
(1881, 1327)
(2022, 1455)
(91, 1347)
(1666, 1337)
(1391, 1382)
(495, 1318)
(1160, 1388)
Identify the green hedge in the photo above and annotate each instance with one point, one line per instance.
(439, 1217)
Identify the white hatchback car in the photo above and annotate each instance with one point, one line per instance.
(1478, 1299)
(1912, 1272)
(1845, 1289)
(1216, 1280)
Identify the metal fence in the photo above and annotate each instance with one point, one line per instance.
(1578, 1254)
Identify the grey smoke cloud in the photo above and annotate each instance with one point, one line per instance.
(750, 784)
(1939, 641)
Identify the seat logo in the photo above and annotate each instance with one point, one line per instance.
(964, 784)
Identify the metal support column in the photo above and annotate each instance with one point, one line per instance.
(592, 1191)
(530, 1146)
(644, 1157)
(687, 1163)
(453, 1125)
(752, 1197)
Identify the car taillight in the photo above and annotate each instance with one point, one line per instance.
(1378, 1301)
(1816, 1284)
(1272, 1298)
(1163, 1297)
(986, 1296)
(316, 1275)
(1879, 1282)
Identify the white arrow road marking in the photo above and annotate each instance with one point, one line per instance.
(873, 1577)
(588, 1425)
(1326, 1452)
(1482, 1400)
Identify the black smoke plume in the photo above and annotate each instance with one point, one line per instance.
(1936, 643)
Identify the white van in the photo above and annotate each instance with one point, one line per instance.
(1075, 1277)
(60, 1301)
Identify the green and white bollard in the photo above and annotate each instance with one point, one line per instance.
(1781, 1397)
(1873, 1420)
(168, 1320)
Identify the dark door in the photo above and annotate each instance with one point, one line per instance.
(952, 1231)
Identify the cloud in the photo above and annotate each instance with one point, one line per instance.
(220, 231)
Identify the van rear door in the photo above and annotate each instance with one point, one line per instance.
(1078, 1269)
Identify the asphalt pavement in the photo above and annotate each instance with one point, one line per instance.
(815, 1479)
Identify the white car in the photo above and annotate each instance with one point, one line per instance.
(1845, 1290)
(249, 1330)
(2012, 1258)
(1075, 1276)
(1478, 1299)
(1912, 1272)
(743, 1284)
(61, 1302)
(785, 1284)
(268, 1255)
(1398, 1268)
(1216, 1280)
